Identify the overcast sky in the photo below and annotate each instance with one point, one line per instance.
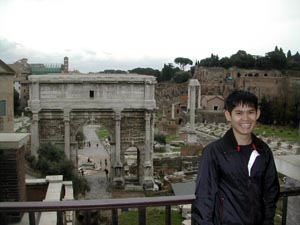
(125, 34)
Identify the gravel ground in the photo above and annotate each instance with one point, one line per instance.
(97, 154)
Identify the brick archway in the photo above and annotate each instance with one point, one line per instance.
(124, 104)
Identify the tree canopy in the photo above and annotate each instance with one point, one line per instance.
(181, 76)
(183, 62)
(167, 72)
(145, 71)
(276, 59)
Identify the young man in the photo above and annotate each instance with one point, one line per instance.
(237, 181)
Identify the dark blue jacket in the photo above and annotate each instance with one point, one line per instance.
(226, 194)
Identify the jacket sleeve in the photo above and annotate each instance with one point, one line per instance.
(206, 189)
(271, 190)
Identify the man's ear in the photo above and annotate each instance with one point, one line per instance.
(227, 116)
(257, 114)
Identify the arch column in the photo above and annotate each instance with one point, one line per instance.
(147, 137)
(148, 181)
(118, 175)
(118, 138)
(67, 133)
(34, 129)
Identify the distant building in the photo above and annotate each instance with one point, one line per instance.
(212, 102)
(221, 81)
(23, 69)
(6, 98)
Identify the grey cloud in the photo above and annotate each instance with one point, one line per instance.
(85, 62)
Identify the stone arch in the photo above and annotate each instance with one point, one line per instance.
(124, 104)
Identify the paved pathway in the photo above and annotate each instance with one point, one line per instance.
(96, 153)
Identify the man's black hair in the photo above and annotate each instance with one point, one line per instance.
(240, 97)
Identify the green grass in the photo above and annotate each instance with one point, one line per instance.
(283, 133)
(153, 217)
(170, 138)
(176, 149)
(102, 133)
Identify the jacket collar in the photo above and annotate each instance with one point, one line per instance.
(231, 143)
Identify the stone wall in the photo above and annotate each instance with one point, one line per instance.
(217, 81)
(169, 93)
(12, 169)
(169, 165)
(191, 150)
(203, 116)
(269, 87)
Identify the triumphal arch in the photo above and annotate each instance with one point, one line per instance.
(123, 103)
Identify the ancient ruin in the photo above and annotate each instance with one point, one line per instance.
(123, 104)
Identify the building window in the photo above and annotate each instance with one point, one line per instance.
(216, 108)
(2, 108)
(91, 94)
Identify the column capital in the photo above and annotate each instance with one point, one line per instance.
(118, 113)
(67, 111)
(147, 115)
(67, 114)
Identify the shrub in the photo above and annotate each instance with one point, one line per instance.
(160, 138)
(53, 161)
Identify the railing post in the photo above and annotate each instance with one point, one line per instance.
(60, 218)
(168, 215)
(87, 217)
(193, 222)
(3, 218)
(142, 216)
(31, 218)
(114, 216)
(284, 209)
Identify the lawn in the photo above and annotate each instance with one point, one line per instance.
(102, 133)
(286, 134)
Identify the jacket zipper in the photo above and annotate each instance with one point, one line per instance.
(251, 201)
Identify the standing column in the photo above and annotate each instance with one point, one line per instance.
(173, 111)
(34, 129)
(192, 106)
(67, 133)
(193, 84)
(199, 97)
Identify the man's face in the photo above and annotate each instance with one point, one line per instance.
(243, 119)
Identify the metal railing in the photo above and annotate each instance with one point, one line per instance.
(114, 204)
